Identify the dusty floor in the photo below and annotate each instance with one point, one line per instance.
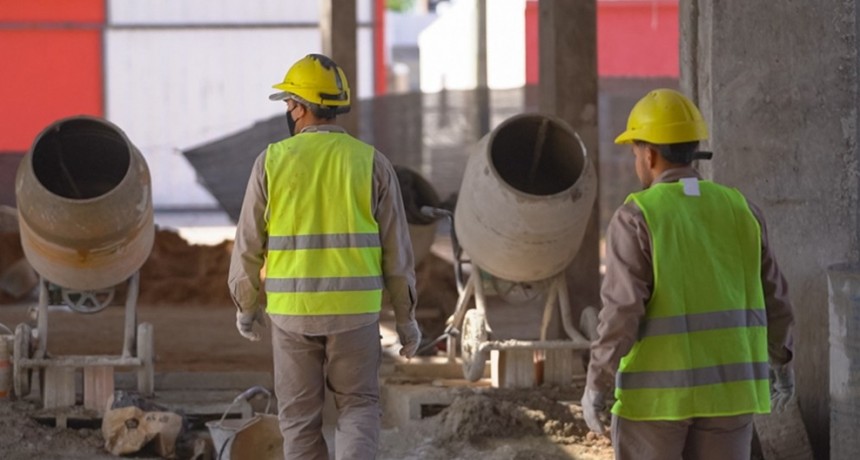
(183, 294)
(482, 423)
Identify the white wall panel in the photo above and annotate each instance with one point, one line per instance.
(449, 47)
(162, 12)
(170, 90)
(364, 10)
(364, 43)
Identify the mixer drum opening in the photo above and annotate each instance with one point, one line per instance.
(536, 156)
(80, 159)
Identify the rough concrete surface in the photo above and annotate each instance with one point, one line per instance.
(778, 88)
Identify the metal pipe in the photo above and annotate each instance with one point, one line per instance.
(531, 345)
(566, 317)
(129, 344)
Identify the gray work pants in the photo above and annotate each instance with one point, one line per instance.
(712, 438)
(347, 364)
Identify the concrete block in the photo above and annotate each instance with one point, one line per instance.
(403, 403)
(59, 388)
(513, 368)
(98, 387)
(560, 366)
(783, 436)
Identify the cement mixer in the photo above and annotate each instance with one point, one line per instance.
(527, 194)
(85, 216)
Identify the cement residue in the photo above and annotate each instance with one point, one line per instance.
(498, 413)
(500, 424)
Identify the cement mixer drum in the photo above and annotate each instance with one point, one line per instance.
(526, 197)
(85, 204)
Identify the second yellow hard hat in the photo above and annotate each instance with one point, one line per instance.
(664, 116)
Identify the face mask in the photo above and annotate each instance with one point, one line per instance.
(291, 124)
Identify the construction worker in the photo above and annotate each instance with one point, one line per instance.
(324, 211)
(695, 311)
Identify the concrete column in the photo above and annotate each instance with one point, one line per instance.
(568, 89)
(338, 23)
(482, 90)
(778, 87)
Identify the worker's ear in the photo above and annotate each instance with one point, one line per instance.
(652, 156)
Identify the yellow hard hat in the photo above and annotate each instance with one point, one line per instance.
(315, 79)
(664, 116)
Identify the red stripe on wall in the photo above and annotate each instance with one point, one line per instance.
(635, 38)
(48, 74)
(52, 11)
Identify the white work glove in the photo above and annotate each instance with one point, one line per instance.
(410, 338)
(245, 323)
(783, 387)
(593, 403)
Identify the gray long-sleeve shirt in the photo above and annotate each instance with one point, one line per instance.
(629, 282)
(398, 271)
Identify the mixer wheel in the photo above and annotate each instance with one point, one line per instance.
(474, 333)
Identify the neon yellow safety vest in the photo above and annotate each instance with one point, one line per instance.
(324, 255)
(702, 347)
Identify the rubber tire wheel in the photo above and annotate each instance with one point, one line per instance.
(474, 332)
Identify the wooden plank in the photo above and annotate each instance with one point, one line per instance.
(561, 365)
(513, 368)
(59, 388)
(98, 387)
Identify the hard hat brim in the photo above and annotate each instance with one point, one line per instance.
(279, 96)
(625, 138)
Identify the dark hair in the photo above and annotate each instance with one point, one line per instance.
(680, 153)
(326, 113)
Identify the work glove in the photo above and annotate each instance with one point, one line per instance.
(783, 387)
(245, 323)
(410, 338)
(593, 403)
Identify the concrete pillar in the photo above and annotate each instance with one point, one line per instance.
(778, 87)
(482, 90)
(568, 89)
(338, 23)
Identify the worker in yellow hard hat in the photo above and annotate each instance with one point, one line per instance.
(325, 213)
(696, 313)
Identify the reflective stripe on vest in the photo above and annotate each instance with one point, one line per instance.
(702, 348)
(324, 255)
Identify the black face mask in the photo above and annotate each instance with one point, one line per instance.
(291, 124)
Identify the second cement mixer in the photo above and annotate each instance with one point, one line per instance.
(524, 204)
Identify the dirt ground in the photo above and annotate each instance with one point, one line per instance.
(184, 296)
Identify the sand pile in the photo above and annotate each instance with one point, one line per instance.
(176, 272)
(179, 273)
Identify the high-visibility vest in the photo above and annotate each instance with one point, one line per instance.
(323, 250)
(702, 347)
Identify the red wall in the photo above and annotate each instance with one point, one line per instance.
(635, 38)
(51, 52)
